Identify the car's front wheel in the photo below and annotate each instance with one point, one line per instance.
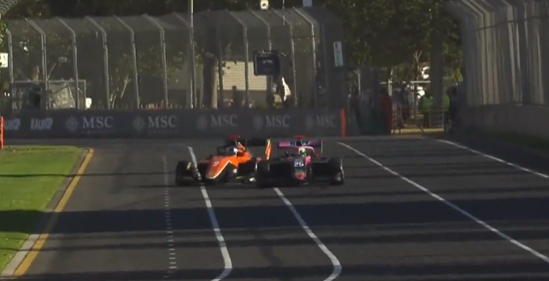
(261, 174)
(181, 172)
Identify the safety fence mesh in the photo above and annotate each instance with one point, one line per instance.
(506, 62)
(173, 61)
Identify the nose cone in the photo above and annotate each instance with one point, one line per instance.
(211, 175)
(216, 166)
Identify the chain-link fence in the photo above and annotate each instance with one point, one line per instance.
(6, 5)
(506, 62)
(150, 62)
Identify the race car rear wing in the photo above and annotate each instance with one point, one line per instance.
(251, 142)
(248, 142)
(317, 144)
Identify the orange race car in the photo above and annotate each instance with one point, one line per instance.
(232, 163)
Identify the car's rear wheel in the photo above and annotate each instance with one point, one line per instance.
(338, 176)
(261, 174)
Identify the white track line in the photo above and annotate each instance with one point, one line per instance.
(335, 262)
(545, 176)
(172, 256)
(452, 206)
(228, 267)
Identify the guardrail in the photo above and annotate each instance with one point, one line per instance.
(505, 63)
(174, 123)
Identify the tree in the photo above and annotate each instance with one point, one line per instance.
(387, 33)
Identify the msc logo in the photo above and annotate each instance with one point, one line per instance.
(320, 121)
(89, 123)
(210, 121)
(271, 121)
(155, 122)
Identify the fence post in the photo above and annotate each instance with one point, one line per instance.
(470, 21)
(74, 61)
(105, 57)
(45, 74)
(220, 53)
(246, 54)
(10, 56)
(313, 45)
(134, 57)
(325, 50)
(292, 46)
(163, 57)
(192, 100)
(190, 12)
(269, 78)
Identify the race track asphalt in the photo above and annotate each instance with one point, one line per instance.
(378, 226)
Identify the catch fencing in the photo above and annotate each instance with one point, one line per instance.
(506, 64)
(171, 61)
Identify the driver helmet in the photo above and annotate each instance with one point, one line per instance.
(231, 151)
(302, 151)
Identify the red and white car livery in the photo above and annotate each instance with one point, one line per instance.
(302, 162)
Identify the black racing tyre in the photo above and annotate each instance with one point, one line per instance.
(249, 168)
(338, 178)
(263, 169)
(262, 174)
(335, 164)
(182, 173)
(336, 171)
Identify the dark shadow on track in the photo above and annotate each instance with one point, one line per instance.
(337, 215)
(394, 235)
(465, 272)
(81, 175)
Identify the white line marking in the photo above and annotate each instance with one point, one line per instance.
(452, 206)
(228, 264)
(168, 218)
(545, 176)
(335, 262)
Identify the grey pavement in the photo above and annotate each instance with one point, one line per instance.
(377, 225)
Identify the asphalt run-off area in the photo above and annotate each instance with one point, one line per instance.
(411, 209)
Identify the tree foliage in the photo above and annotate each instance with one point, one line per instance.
(388, 33)
(385, 33)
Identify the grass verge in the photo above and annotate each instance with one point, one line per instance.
(417, 131)
(29, 178)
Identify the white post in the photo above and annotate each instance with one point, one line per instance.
(192, 65)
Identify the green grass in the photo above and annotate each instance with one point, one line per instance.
(418, 131)
(29, 178)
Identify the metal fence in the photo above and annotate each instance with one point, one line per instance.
(143, 61)
(506, 63)
(6, 5)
